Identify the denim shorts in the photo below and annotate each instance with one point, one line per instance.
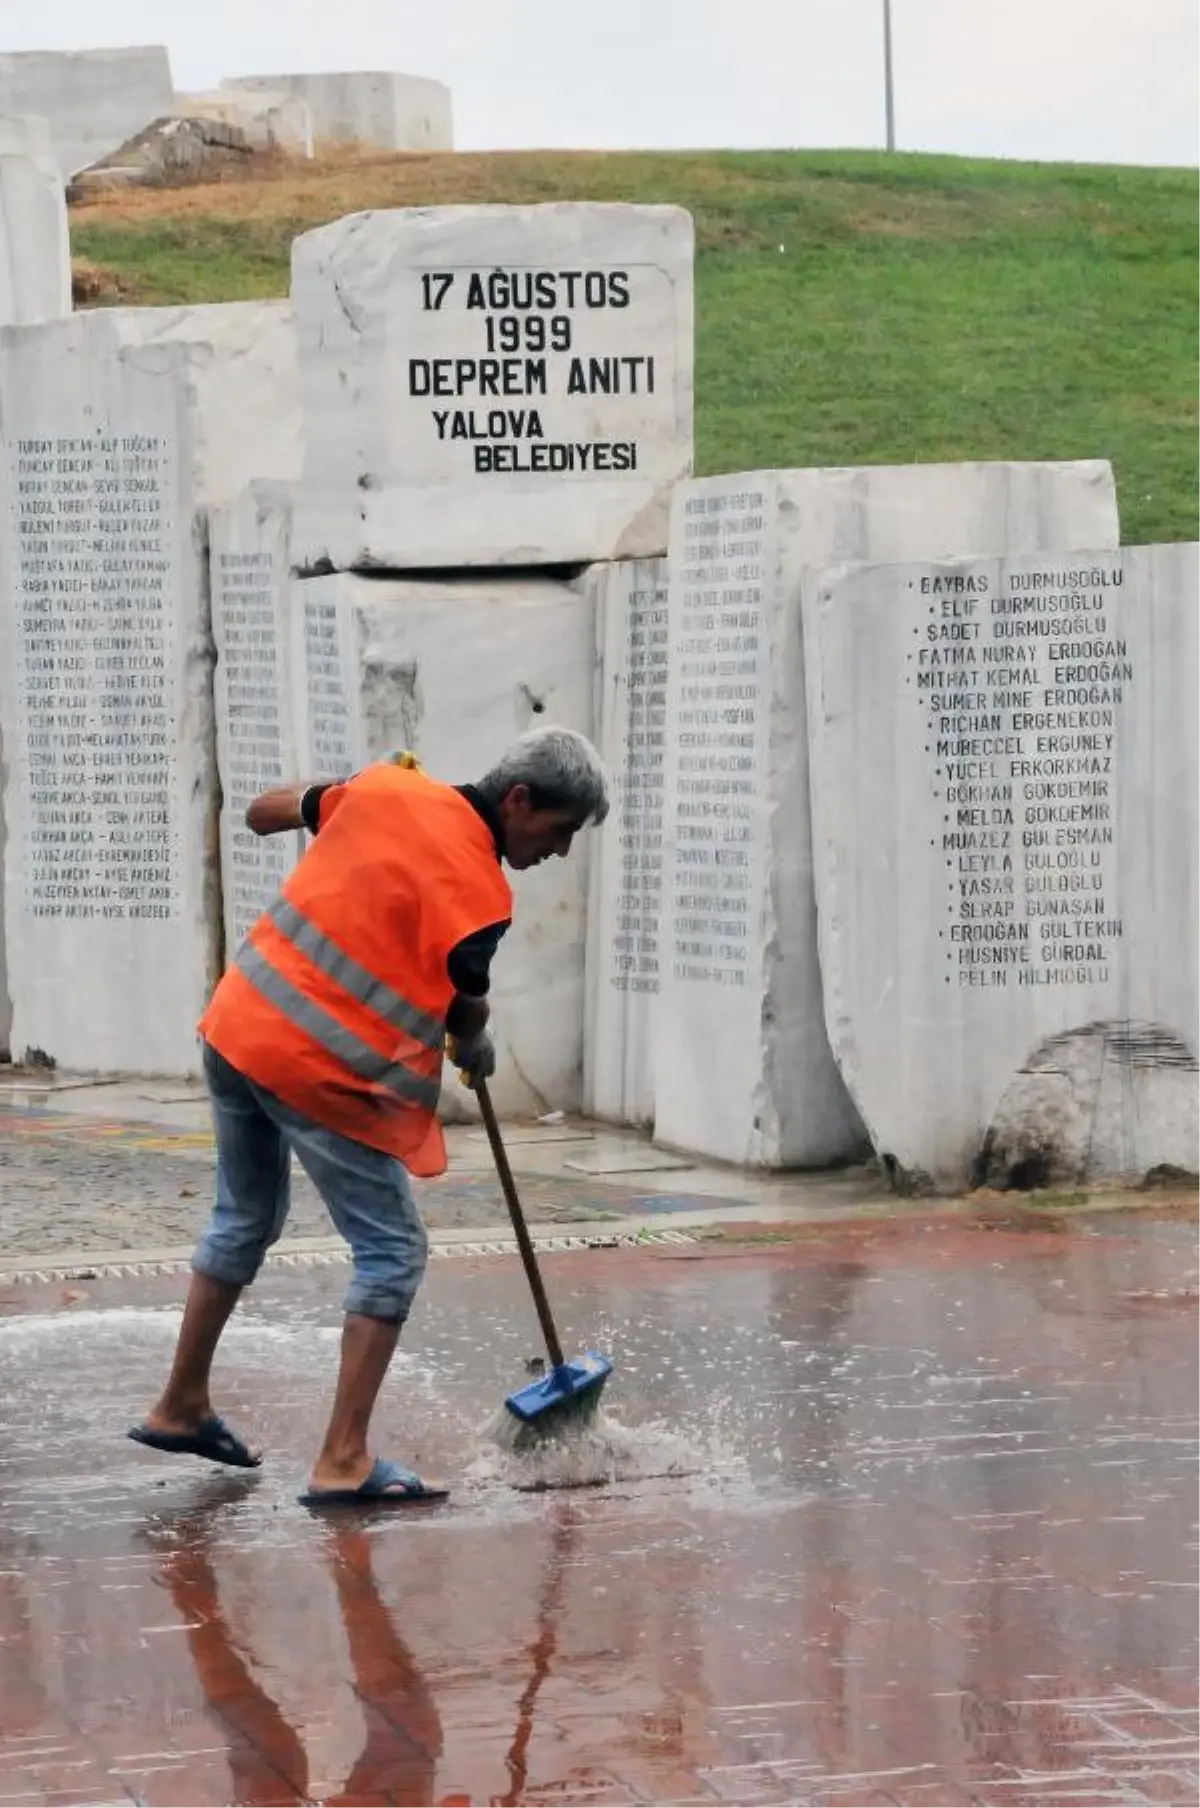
(367, 1194)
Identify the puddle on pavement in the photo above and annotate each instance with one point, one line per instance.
(128, 1349)
(916, 1511)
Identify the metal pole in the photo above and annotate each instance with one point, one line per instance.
(888, 97)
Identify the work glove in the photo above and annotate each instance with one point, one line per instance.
(474, 1057)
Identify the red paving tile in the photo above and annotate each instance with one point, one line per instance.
(933, 1544)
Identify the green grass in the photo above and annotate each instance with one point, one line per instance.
(851, 308)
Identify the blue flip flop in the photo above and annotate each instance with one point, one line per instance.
(388, 1485)
(212, 1438)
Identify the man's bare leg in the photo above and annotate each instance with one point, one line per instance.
(368, 1344)
(185, 1403)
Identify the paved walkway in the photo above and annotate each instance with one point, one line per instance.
(896, 1513)
(105, 1171)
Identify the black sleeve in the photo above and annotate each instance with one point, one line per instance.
(310, 807)
(469, 961)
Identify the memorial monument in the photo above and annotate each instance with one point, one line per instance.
(901, 855)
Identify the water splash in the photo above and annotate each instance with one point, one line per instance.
(586, 1453)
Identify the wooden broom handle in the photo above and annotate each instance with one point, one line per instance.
(509, 1189)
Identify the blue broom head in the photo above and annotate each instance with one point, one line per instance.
(575, 1386)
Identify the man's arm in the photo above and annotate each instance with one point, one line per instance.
(467, 1017)
(469, 969)
(286, 807)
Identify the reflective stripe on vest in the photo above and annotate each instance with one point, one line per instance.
(335, 1038)
(362, 986)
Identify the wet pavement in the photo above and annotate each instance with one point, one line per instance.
(901, 1513)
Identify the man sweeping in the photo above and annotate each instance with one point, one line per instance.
(325, 1040)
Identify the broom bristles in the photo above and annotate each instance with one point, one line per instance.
(556, 1423)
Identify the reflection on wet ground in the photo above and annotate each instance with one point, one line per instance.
(898, 1514)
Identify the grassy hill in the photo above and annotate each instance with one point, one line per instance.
(851, 307)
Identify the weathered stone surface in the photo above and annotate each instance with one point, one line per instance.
(625, 895)
(1005, 859)
(35, 250)
(389, 112)
(493, 385)
(169, 153)
(106, 683)
(271, 119)
(256, 660)
(453, 671)
(92, 100)
(743, 1069)
(243, 385)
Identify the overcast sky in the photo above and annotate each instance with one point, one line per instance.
(1093, 80)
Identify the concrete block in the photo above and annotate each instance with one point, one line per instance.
(743, 1068)
(1005, 860)
(272, 120)
(624, 947)
(453, 671)
(383, 111)
(35, 248)
(28, 134)
(92, 100)
(491, 386)
(106, 688)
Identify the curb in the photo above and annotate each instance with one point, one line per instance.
(331, 1252)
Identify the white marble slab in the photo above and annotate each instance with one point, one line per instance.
(743, 1070)
(626, 893)
(453, 672)
(212, 391)
(491, 386)
(105, 679)
(1005, 859)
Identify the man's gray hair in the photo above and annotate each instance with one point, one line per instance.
(561, 770)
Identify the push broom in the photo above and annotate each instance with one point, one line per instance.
(569, 1395)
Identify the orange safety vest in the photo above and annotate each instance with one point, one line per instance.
(336, 1001)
